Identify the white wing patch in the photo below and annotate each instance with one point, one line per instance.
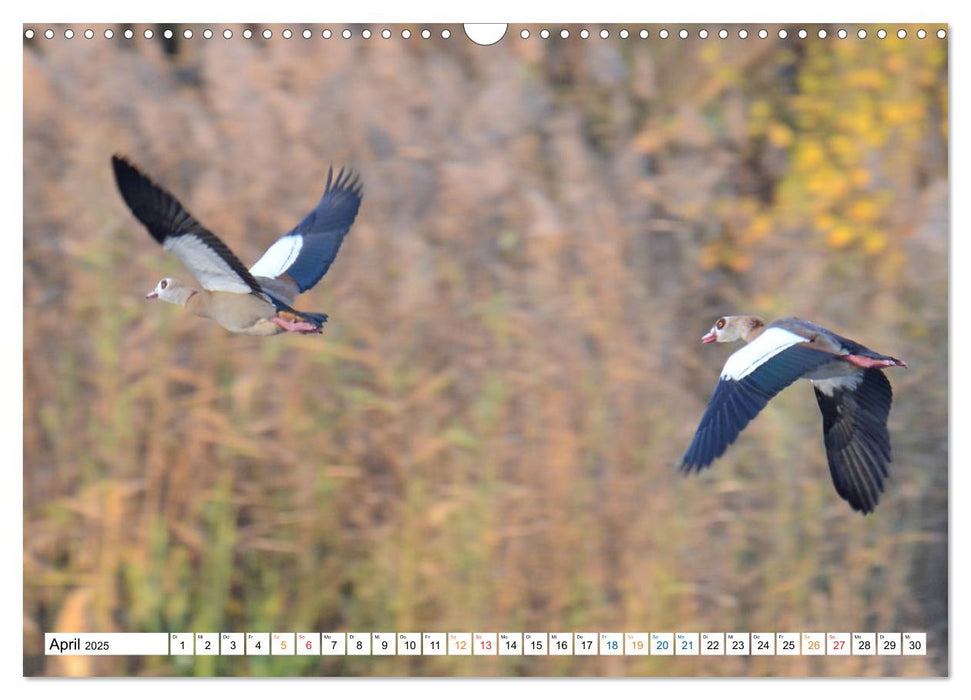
(848, 382)
(770, 343)
(205, 264)
(278, 257)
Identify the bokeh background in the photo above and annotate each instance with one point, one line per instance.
(486, 436)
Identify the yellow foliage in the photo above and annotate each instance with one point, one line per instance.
(897, 113)
(859, 113)
(828, 185)
(844, 148)
(860, 177)
(760, 110)
(874, 242)
(840, 237)
(809, 155)
(738, 261)
(708, 258)
(863, 211)
(825, 222)
(759, 228)
(866, 79)
(779, 135)
(710, 53)
(896, 63)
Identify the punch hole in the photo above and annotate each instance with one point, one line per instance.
(366, 34)
(167, 33)
(227, 34)
(446, 34)
(821, 33)
(763, 34)
(564, 34)
(89, 34)
(207, 34)
(743, 34)
(487, 34)
(663, 33)
(545, 33)
(426, 34)
(643, 34)
(405, 33)
(347, 34)
(882, 34)
(187, 34)
(941, 34)
(624, 33)
(287, 34)
(68, 33)
(921, 34)
(901, 33)
(841, 33)
(148, 33)
(524, 34)
(703, 33)
(385, 33)
(722, 33)
(803, 33)
(861, 33)
(783, 33)
(584, 34)
(129, 34)
(49, 34)
(604, 33)
(683, 34)
(109, 34)
(267, 34)
(248, 33)
(306, 33)
(327, 34)
(29, 34)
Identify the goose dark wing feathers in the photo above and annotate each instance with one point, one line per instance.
(735, 402)
(298, 260)
(202, 252)
(855, 411)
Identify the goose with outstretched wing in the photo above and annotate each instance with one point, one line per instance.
(254, 301)
(851, 389)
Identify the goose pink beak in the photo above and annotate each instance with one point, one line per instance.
(152, 295)
(709, 337)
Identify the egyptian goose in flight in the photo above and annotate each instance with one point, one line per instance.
(853, 394)
(256, 301)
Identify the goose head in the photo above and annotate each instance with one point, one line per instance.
(172, 291)
(728, 329)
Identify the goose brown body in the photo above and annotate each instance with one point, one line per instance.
(246, 314)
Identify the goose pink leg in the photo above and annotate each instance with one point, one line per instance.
(870, 363)
(295, 326)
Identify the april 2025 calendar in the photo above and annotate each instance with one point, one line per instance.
(486, 644)
(486, 350)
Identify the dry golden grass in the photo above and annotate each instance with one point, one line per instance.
(486, 436)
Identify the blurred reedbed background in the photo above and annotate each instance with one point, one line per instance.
(486, 437)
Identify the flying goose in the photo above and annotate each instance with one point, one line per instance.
(853, 394)
(256, 301)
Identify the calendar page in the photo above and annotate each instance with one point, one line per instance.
(493, 350)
